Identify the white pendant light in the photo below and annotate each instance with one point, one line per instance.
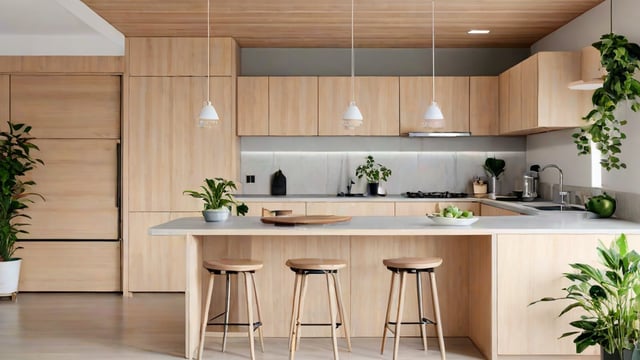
(433, 117)
(208, 114)
(352, 117)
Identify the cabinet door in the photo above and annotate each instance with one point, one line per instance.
(452, 95)
(515, 99)
(422, 208)
(529, 93)
(66, 107)
(488, 210)
(293, 106)
(483, 105)
(255, 208)
(504, 101)
(253, 106)
(377, 98)
(351, 208)
(156, 263)
(79, 181)
(4, 102)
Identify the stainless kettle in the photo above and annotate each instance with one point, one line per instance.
(530, 186)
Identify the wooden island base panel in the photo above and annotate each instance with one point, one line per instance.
(491, 271)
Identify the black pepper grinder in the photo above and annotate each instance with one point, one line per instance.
(278, 183)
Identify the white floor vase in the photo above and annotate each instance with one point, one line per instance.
(9, 276)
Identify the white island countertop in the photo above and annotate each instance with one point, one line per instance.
(545, 223)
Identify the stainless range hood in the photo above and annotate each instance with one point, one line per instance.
(438, 134)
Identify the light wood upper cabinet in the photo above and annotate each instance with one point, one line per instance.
(170, 56)
(79, 182)
(484, 112)
(64, 107)
(293, 106)
(452, 95)
(253, 106)
(538, 99)
(4, 101)
(378, 100)
(168, 152)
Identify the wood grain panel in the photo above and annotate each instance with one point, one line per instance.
(253, 106)
(371, 279)
(158, 56)
(452, 95)
(150, 143)
(70, 266)
(482, 301)
(199, 153)
(351, 208)
(377, 98)
(530, 267)
(488, 210)
(514, 119)
(66, 107)
(62, 64)
(324, 23)
(484, 97)
(4, 102)
(255, 208)
(293, 106)
(505, 82)
(462, 205)
(529, 92)
(79, 183)
(415, 208)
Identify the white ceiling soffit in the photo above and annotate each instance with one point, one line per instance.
(55, 27)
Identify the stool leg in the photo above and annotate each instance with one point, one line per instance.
(423, 326)
(332, 314)
(205, 316)
(226, 312)
(386, 320)
(301, 309)
(294, 307)
(396, 342)
(436, 309)
(247, 285)
(255, 294)
(345, 322)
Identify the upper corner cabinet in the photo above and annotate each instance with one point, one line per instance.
(293, 106)
(452, 95)
(534, 94)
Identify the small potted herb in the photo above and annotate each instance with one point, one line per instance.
(374, 172)
(493, 167)
(218, 199)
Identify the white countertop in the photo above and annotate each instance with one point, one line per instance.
(546, 222)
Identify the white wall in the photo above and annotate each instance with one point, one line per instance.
(559, 147)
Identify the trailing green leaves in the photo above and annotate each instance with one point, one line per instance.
(608, 298)
(621, 59)
(15, 163)
(216, 194)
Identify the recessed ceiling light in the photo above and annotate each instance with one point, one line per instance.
(473, 31)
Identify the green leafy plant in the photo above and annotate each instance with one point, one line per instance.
(621, 59)
(15, 163)
(216, 194)
(374, 172)
(494, 167)
(608, 296)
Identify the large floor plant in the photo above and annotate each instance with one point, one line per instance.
(16, 161)
(609, 298)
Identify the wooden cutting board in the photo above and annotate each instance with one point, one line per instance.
(304, 219)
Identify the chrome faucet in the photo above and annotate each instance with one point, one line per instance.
(561, 192)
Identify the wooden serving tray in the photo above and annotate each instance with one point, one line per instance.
(304, 219)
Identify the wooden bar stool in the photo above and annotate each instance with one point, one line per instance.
(228, 267)
(401, 267)
(303, 268)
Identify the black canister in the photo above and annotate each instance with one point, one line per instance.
(278, 183)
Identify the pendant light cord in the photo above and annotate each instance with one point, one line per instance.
(433, 52)
(208, 44)
(353, 66)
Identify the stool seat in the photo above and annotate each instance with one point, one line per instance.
(417, 263)
(234, 265)
(316, 264)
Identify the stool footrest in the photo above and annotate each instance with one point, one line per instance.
(424, 321)
(321, 324)
(256, 324)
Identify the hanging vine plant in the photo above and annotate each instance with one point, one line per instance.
(621, 59)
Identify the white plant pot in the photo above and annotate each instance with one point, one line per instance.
(216, 215)
(9, 276)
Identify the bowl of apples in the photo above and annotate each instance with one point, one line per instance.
(452, 215)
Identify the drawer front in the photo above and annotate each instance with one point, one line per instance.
(351, 208)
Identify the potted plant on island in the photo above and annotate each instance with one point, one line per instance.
(374, 172)
(218, 199)
(609, 300)
(15, 163)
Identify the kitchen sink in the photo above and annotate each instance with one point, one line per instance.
(558, 207)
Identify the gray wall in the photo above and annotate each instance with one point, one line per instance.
(378, 62)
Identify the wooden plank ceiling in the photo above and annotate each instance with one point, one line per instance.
(326, 23)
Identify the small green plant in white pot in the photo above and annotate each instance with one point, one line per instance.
(218, 199)
(15, 163)
(374, 172)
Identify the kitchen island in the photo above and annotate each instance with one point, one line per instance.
(491, 271)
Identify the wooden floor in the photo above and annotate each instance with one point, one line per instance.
(151, 326)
